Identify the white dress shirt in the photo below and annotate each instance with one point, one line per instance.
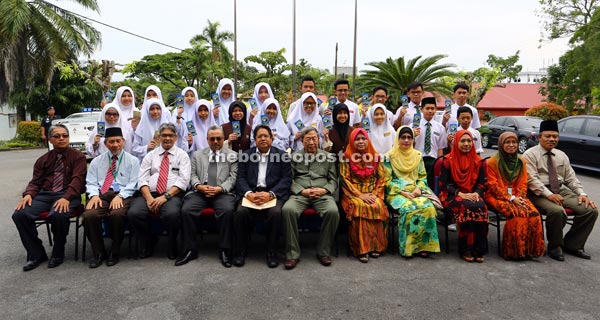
(439, 138)
(179, 169)
(127, 167)
(408, 116)
(475, 124)
(261, 180)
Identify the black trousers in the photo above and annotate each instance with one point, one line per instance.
(25, 221)
(193, 203)
(242, 223)
(428, 161)
(169, 215)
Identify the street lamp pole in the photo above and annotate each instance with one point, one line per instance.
(294, 57)
(235, 73)
(354, 59)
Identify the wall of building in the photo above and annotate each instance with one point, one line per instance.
(8, 122)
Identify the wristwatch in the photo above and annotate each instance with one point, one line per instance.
(167, 195)
(583, 194)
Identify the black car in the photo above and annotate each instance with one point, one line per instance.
(579, 138)
(523, 126)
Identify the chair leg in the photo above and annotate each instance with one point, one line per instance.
(498, 230)
(83, 245)
(49, 233)
(77, 239)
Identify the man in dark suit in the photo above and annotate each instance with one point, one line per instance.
(264, 174)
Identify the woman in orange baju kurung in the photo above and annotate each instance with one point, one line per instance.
(523, 236)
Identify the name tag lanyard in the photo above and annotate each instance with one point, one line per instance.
(512, 174)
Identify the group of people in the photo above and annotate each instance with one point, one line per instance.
(370, 164)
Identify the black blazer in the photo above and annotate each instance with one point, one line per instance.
(279, 173)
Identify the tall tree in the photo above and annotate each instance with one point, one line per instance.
(561, 18)
(507, 67)
(274, 64)
(396, 74)
(215, 40)
(33, 36)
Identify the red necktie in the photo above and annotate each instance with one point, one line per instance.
(108, 180)
(58, 179)
(163, 175)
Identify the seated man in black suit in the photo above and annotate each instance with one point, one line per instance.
(263, 175)
(56, 186)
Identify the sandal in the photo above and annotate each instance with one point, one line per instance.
(363, 258)
(468, 258)
(374, 254)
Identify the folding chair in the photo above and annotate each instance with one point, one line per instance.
(75, 218)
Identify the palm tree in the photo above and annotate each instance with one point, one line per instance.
(214, 39)
(397, 74)
(34, 34)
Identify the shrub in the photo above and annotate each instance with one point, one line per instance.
(548, 111)
(596, 111)
(29, 131)
(20, 144)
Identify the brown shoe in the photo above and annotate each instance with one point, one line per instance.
(291, 263)
(324, 260)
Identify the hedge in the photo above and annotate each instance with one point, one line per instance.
(548, 111)
(29, 131)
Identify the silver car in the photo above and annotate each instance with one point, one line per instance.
(80, 127)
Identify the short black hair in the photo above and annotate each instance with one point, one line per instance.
(380, 88)
(461, 85)
(414, 85)
(464, 109)
(340, 81)
(307, 78)
(262, 126)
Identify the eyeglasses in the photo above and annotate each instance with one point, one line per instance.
(311, 139)
(310, 104)
(58, 136)
(168, 135)
(111, 114)
(415, 93)
(215, 138)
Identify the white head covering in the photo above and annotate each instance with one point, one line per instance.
(189, 110)
(202, 126)
(224, 104)
(277, 125)
(120, 123)
(257, 89)
(147, 125)
(155, 89)
(126, 111)
(309, 119)
(382, 136)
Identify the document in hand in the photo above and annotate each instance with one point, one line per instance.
(249, 204)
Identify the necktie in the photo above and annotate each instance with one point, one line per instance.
(59, 176)
(428, 138)
(552, 174)
(108, 180)
(212, 171)
(163, 174)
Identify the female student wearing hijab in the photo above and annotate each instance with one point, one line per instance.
(305, 115)
(381, 131)
(125, 99)
(271, 112)
(462, 183)
(523, 236)
(188, 112)
(111, 116)
(154, 113)
(152, 91)
(226, 93)
(407, 192)
(336, 139)
(202, 120)
(362, 180)
(237, 112)
(262, 91)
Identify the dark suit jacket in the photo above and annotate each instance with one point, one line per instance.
(279, 174)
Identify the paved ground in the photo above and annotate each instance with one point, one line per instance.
(391, 287)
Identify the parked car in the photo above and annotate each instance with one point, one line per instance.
(579, 138)
(80, 126)
(523, 126)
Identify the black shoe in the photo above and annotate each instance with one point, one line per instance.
(239, 261)
(556, 254)
(579, 253)
(189, 256)
(32, 264)
(272, 260)
(55, 262)
(145, 253)
(96, 261)
(113, 259)
(225, 260)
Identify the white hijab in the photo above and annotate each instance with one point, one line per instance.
(155, 89)
(382, 136)
(147, 125)
(189, 110)
(257, 89)
(126, 111)
(309, 119)
(224, 104)
(120, 124)
(202, 126)
(277, 125)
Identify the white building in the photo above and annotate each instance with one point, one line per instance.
(8, 122)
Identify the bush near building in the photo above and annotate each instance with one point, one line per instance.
(29, 131)
(548, 111)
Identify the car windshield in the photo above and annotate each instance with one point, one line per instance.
(528, 122)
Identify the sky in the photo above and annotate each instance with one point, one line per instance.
(465, 30)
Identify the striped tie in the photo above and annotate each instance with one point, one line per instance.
(163, 175)
(108, 180)
(59, 175)
(428, 138)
